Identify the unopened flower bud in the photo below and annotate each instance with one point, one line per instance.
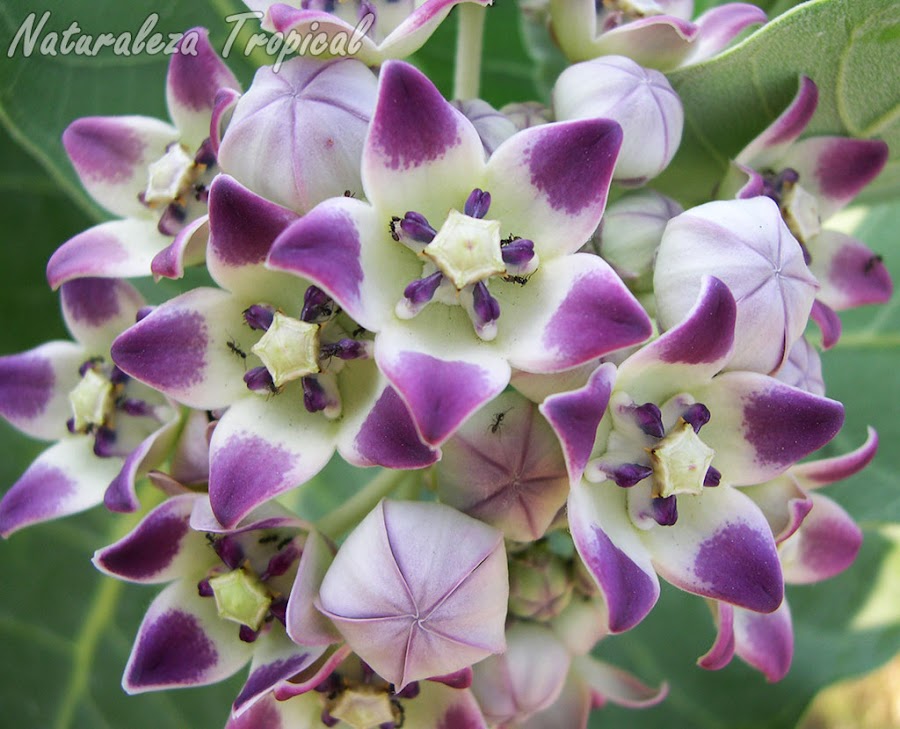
(641, 100)
(540, 586)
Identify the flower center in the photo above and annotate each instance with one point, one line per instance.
(799, 208)
(312, 349)
(675, 459)
(97, 400)
(364, 707)
(177, 183)
(460, 259)
(241, 598)
(680, 462)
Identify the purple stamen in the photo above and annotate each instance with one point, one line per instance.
(89, 365)
(70, 425)
(172, 220)
(229, 551)
(134, 407)
(410, 691)
(278, 610)
(367, 8)
(629, 474)
(204, 589)
(259, 317)
(345, 349)
(206, 155)
(417, 227)
(281, 562)
(117, 377)
(331, 684)
(697, 415)
(259, 379)
(247, 634)
(317, 305)
(388, 725)
(518, 252)
(314, 398)
(712, 478)
(104, 442)
(487, 308)
(649, 420)
(143, 313)
(665, 511)
(327, 719)
(422, 290)
(478, 204)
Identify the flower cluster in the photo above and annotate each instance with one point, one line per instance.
(568, 399)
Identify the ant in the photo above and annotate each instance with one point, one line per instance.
(349, 193)
(521, 280)
(871, 263)
(393, 227)
(510, 239)
(498, 420)
(235, 349)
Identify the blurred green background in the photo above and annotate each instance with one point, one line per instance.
(66, 632)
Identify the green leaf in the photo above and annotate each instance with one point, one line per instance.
(848, 47)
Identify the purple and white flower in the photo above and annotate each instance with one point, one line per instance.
(293, 370)
(675, 437)
(456, 298)
(152, 174)
(655, 33)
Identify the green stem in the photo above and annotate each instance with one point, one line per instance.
(352, 511)
(469, 44)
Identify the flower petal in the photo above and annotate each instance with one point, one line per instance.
(117, 249)
(306, 625)
(65, 479)
(412, 33)
(441, 706)
(35, 387)
(121, 495)
(720, 547)
(571, 709)
(98, 309)
(618, 686)
(442, 377)
(195, 75)
(784, 504)
(421, 153)
(162, 548)
(813, 474)
(766, 642)
(344, 248)
(849, 273)
(687, 355)
(764, 151)
(549, 183)
(663, 42)
(573, 310)
(172, 349)
(183, 642)
(612, 553)
(825, 545)
(760, 426)
(111, 155)
(263, 447)
(721, 652)
(721, 25)
(188, 249)
(275, 659)
(304, 712)
(575, 417)
(376, 428)
(835, 169)
(242, 228)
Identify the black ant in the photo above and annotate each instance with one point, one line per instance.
(498, 420)
(871, 263)
(349, 193)
(393, 227)
(510, 239)
(268, 539)
(235, 349)
(521, 280)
